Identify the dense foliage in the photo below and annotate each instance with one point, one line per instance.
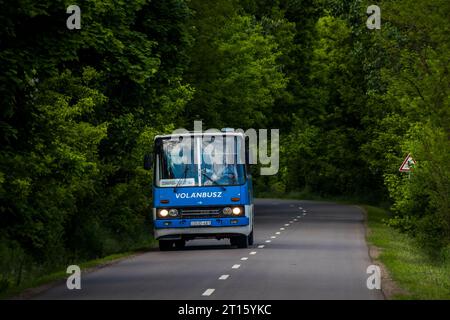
(80, 108)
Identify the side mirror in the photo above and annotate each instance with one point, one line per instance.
(148, 161)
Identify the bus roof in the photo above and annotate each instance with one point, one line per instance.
(200, 134)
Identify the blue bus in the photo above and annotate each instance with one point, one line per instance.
(202, 188)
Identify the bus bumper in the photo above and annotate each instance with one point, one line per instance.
(214, 228)
(206, 232)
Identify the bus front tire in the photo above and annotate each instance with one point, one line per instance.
(165, 245)
(180, 244)
(240, 241)
(250, 238)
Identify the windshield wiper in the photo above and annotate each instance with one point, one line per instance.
(186, 169)
(213, 181)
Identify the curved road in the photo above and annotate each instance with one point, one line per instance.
(302, 250)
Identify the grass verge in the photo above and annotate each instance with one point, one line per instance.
(412, 269)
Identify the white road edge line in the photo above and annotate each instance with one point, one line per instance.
(224, 277)
(208, 292)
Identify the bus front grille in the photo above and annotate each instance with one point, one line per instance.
(201, 213)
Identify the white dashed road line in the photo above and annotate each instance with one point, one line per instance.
(208, 292)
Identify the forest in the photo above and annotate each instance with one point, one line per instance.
(80, 108)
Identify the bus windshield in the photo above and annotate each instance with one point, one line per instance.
(199, 161)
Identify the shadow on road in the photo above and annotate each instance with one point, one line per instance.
(207, 247)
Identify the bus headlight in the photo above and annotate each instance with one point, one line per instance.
(163, 213)
(227, 210)
(173, 212)
(237, 211)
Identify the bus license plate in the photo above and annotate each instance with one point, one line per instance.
(200, 223)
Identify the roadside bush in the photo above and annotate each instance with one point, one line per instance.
(421, 200)
(431, 234)
(407, 224)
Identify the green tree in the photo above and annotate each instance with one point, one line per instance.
(417, 113)
(79, 109)
(243, 76)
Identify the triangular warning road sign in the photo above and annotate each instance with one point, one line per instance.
(408, 164)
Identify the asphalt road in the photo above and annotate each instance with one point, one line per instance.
(302, 250)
